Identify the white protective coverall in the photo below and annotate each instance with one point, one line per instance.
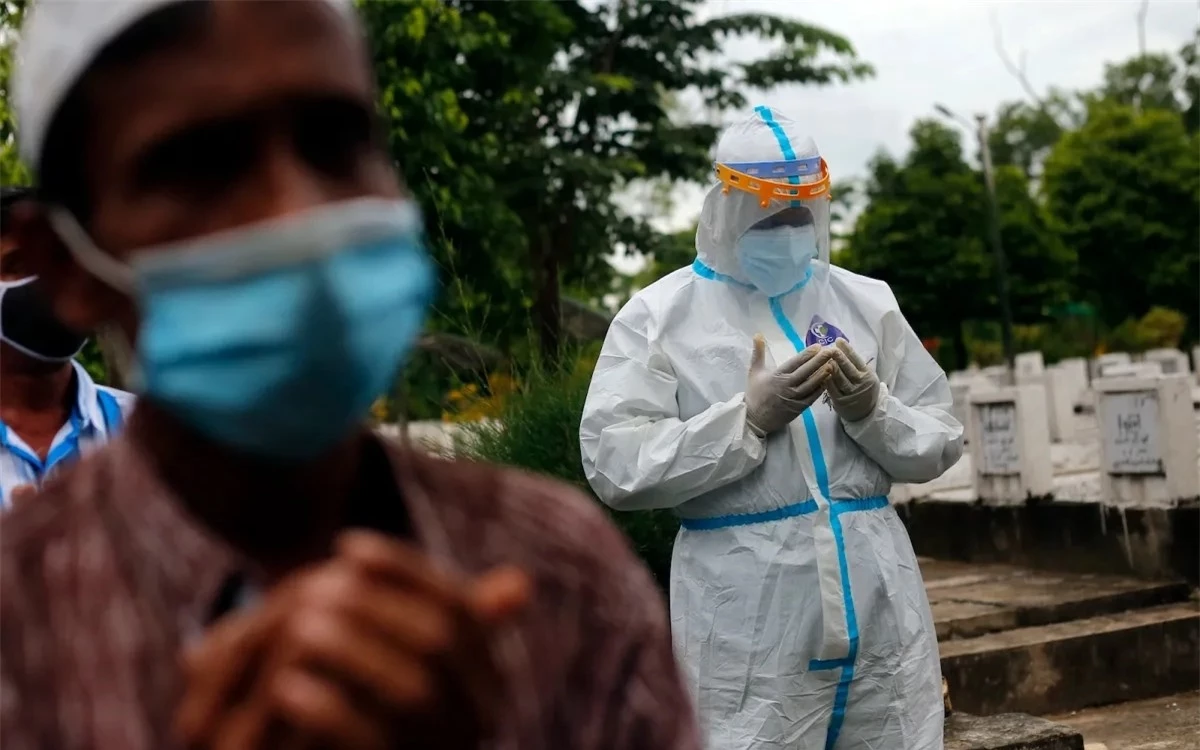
(797, 606)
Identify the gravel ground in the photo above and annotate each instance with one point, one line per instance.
(1159, 724)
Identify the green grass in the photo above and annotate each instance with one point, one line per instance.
(538, 430)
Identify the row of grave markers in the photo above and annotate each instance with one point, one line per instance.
(1145, 412)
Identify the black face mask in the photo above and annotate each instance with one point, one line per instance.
(28, 324)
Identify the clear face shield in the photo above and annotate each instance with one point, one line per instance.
(771, 220)
(778, 215)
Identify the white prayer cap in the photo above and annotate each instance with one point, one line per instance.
(59, 40)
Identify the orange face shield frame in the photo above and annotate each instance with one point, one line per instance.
(753, 181)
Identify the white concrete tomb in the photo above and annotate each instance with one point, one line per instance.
(962, 385)
(1010, 445)
(1133, 370)
(1030, 368)
(1104, 361)
(1148, 441)
(999, 375)
(1172, 361)
(1066, 386)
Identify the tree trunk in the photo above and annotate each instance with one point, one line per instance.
(547, 304)
(960, 347)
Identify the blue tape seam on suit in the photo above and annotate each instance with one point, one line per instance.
(842, 694)
(803, 508)
(700, 269)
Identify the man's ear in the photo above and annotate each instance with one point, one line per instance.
(81, 301)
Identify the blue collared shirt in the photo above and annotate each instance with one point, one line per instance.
(97, 415)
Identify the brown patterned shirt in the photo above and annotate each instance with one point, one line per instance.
(104, 576)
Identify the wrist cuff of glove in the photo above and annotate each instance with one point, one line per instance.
(759, 433)
(880, 392)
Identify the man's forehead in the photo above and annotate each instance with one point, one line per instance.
(240, 63)
(59, 41)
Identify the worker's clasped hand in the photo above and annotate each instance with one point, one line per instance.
(776, 397)
(373, 649)
(853, 387)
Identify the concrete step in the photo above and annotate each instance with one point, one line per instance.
(1067, 666)
(972, 600)
(1008, 732)
(1170, 723)
(1078, 537)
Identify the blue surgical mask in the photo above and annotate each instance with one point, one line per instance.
(276, 338)
(778, 260)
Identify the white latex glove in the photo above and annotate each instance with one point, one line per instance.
(854, 388)
(774, 399)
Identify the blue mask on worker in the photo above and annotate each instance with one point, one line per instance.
(777, 260)
(275, 339)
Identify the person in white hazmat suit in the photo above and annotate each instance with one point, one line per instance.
(772, 399)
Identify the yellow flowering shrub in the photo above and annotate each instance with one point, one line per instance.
(379, 410)
(470, 404)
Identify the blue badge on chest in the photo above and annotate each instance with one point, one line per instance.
(823, 333)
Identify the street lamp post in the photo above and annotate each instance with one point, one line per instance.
(980, 129)
(989, 178)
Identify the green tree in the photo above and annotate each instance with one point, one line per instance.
(1024, 132)
(12, 170)
(449, 81)
(1156, 81)
(1041, 267)
(671, 252)
(924, 232)
(921, 231)
(1123, 192)
(547, 110)
(1189, 82)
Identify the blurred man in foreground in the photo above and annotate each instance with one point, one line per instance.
(50, 409)
(214, 182)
